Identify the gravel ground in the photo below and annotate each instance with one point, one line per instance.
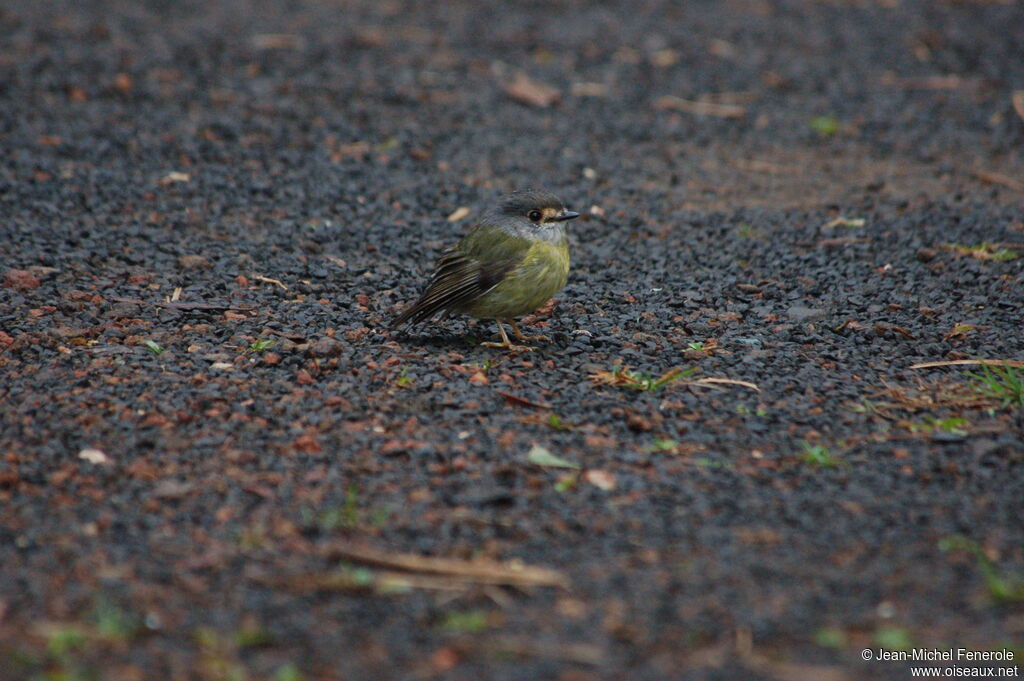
(217, 464)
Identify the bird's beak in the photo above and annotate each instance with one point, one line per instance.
(567, 215)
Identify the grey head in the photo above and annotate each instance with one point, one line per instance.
(534, 214)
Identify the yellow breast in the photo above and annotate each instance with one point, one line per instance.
(542, 274)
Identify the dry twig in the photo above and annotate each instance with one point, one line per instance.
(970, 362)
(522, 401)
(472, 571)
(700, 107)
(1000, 179)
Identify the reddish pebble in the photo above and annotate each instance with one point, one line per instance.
(22, 280)
(445, 658)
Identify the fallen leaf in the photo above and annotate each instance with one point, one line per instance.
(539, 456)
(172, 489)
(95, 456)
(307, 443)
(445, 658)
(589, 90)
(261, 491)
(522, 401)
(664, 58)
(193, 262)
(392, 447)
(567, 481)
(602, 480)
(958, 331)
(459, 213)
(175, 176)
(525, 90)
(356, 150)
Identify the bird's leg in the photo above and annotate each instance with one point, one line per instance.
(520, 336)
(505, 342)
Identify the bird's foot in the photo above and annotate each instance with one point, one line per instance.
(520, 336)
(507, 345)
(538, 338)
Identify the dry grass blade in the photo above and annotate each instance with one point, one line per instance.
(842, 241)
(932, 396)
(577, 653)
(183, 306)
(1015, 363)
(476, 571)
(622, 376)
(844, 222)
(757, 166)
(1000, 179)
(268, 280)
(789, 671)
(950, 82)
(379, 581)
(1018, 102)
(700, 107)
(984, 251)
(723, 381)
(277, 41)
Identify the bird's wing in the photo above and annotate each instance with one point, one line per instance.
(461, 276)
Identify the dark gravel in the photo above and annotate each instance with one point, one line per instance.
(209, 211)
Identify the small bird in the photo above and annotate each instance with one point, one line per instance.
(508, 265)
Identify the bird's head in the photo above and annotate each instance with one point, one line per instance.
(535, 213)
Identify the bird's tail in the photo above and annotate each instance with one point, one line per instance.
(403, 319)
(420, 311)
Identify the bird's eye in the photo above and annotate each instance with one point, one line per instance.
(534, 215)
